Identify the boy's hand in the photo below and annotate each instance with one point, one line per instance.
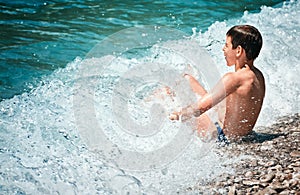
(185, 113)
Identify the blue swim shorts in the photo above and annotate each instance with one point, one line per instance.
(222, 139)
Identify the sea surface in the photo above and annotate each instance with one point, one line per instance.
(65, 90)
(38, 37)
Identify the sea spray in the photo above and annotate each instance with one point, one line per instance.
(42, 152)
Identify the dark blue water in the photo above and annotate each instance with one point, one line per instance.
(38, 37)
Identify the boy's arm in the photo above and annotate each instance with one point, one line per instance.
(198, 89)
(228, 84)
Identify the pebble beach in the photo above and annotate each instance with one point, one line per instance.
(270, 163)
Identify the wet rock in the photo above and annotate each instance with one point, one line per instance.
(293, 183)
(218, 184)
(250, 182)
(232, 190)
(289, 176)
(237, 180)
(261, 162)
(265, 147)
(296, 164)
(277, 167)
(269, 164)
(296, 160)
(278, 186)
(280, 176)
(253, 163)
(267, 191)
(287, 171)
(264, 184)
(249, 174)
(285, 192)
(294, 192)
(295, 153)
(267, 178)
(295, 134)
(229, 182)
(296, 176)
(296, 169)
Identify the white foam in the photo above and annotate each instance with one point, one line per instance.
(42, 152)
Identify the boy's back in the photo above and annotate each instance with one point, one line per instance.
(244, 104)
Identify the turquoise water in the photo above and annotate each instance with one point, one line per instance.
(46, 83)
(37, 37)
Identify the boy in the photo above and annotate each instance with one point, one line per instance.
(243, 90)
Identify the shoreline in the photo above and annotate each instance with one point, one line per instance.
(270, 163)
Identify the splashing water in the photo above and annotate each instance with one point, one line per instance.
(42, 150)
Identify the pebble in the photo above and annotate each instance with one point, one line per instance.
(232, 190)
(237, 180)
(296, 176)
(296, 134)
(273, 166)
(253, 163)
(270, 163)
(277, 167)
(265, 148)
(296, 169)
(278, 186)
(249, 174)
(295, 153)
(293, 182)
(285, 192)
(250, 182)
(267, 178)
(296, 164)
(267, 190)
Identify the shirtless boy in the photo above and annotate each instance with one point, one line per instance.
(243, 90)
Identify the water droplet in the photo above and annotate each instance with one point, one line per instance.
(244, 120)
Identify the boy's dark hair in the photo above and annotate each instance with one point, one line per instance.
(248, 37)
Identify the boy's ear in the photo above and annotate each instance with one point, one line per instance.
(239, 51)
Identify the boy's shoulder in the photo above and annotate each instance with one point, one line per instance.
(244, 73)
(249, 71)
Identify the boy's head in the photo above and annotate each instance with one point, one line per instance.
(248, 37)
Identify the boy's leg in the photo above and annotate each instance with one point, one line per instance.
(205, 127)
(161, 94)
(195, 85)
(166, 91)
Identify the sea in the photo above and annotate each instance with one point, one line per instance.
(83, 97)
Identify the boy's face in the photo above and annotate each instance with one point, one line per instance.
(229, 53)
